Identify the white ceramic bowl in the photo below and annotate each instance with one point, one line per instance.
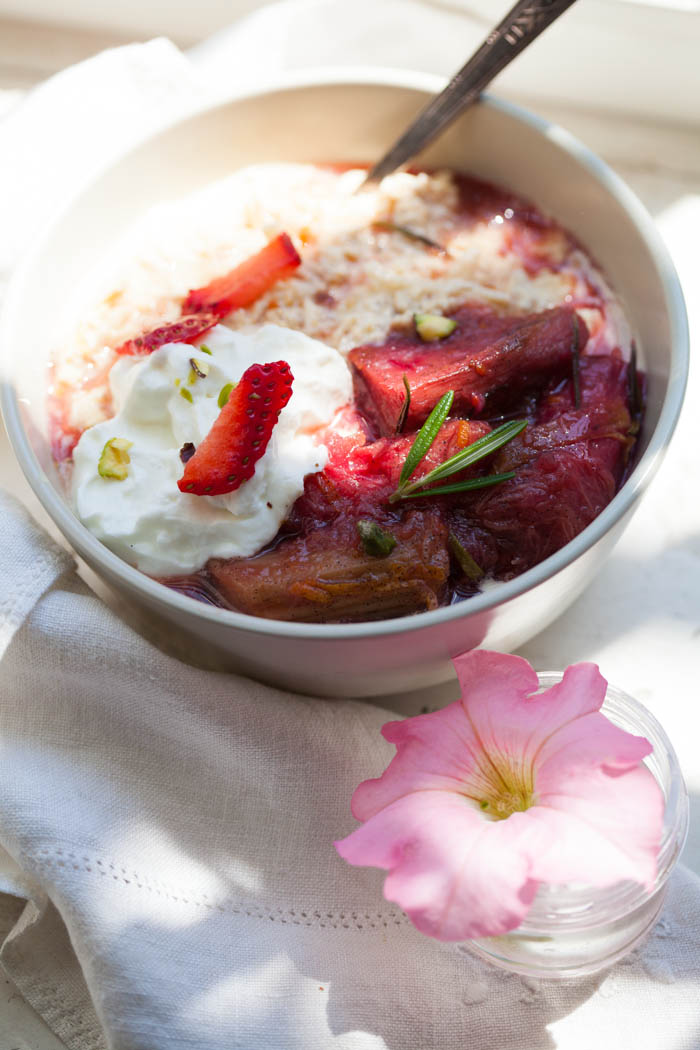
(354, 117)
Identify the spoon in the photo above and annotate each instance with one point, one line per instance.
(523, 23)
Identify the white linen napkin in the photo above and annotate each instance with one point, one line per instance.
(171, 828)
(175, 826)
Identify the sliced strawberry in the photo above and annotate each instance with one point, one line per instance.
(241, 432)
(248, 281)
(183, 330)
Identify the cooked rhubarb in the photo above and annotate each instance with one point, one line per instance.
(327, 576)
(489, 361)
(568, 465)
(603, 420)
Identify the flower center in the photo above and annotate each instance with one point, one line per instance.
(507, 791)
(505, 804)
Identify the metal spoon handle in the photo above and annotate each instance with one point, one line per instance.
(523, 23)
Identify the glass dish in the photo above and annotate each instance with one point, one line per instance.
(578, 929)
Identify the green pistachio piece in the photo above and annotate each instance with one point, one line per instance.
(225, 393)
(376, 541)
(433, 326)
(114, 461)
(187, 394)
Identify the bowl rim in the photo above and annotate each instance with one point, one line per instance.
(155, 593)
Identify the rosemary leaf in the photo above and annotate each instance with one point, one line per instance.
(576, 363)
(424, 439)
(401, 421)
(471, 454)
(411, 235)
(635, 395)
(470, 568)
(459, 486)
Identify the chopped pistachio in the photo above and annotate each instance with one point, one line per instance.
(433, 326)
(225, 393)
(376, 541)
(205, 349)
(187, 394)
(177, 382)
(114, 460)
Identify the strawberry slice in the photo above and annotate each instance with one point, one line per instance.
(241, 432)
(248, 281)
(183, 330)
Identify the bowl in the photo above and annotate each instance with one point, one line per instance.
(353, 116)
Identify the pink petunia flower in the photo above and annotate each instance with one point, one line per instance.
(502, 790)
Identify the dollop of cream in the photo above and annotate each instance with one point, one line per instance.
(145, 519)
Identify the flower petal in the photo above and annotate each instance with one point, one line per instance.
(456, 874)
(591, 771)
(438, 750)
(582, 849)
(511, 723)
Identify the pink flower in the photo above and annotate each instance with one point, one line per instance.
(502, 790)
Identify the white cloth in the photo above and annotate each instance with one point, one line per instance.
(178, 824)
(171, 828)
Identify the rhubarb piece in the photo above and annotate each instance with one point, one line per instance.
(327, 576)
(376, 541)
(431, 327)
(603, 419)
(241, 432)
(246, 282)
(490, 362)
(114, 461)
(185, 330)
(548, 502)
(569, 464)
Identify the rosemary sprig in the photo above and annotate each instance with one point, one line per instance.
(469, 567)
(634, 393)
(464, 458)
(424, 439)
(461, 486)
(401, 421)
(576, 363)
(409, 234)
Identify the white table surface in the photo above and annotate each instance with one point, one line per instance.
(647, 638)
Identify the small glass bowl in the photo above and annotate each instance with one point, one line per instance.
(577, 929)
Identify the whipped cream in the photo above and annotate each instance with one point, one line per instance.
(145, 519)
